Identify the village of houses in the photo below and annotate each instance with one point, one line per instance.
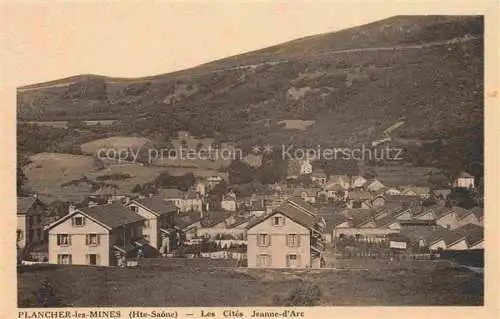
(286, 227)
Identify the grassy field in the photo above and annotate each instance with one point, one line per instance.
(115, 143)
(174, 284)
(405, 174)
(48, 172)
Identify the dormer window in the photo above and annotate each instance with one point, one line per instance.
(78, 221)
(278, 220)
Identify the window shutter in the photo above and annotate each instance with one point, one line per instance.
(269, 241)
(73, 221)
(87, 239)
(298, 240)
(83, 221)
(69, 240)
(98, 239)
(257, 262)
(298, 261)
(87, 259)
(70, 262)
(97, 260)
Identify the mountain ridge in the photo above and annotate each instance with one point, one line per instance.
(354, 83)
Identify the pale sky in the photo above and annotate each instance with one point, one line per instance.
(50, 40)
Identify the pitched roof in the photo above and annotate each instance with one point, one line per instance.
(439, 211)
(464, 175)
(416, 189)
(334, 220)
(303, 205)
(213, 218)
(24, 204)
(385, 221)
(157, 205)
(431, 234)
(478, 211)
(186, 219)
(240, 220)
(297, 210)
(297, 215)
(461, 212)
(112, 215)
(473, 233)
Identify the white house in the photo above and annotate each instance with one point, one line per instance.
(464, 180)
(290, 237)
(101, 235)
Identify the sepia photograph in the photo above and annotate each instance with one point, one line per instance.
(246, 154)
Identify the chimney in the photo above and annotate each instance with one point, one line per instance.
(35, 195)
(71, 208)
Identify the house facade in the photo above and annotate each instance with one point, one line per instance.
(190, 201)
(29, 217)
(290, 237)
(228, 202)
(464, 180)
(101, 235)
(158, 217)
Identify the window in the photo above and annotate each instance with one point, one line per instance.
(292, 240)
(92, 259)
(278, 221)
(291, 260)
(30, 220)
(78, 221)
(263, 260)
(20, 234)
(39, 234)
(64, 259)
(134, 208)
(147, 237)
(263, 240)
(30, 235)
(38, 219)
(92, 239)
(63, 240)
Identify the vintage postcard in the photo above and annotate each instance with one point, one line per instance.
(257, 159)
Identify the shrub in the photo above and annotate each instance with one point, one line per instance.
(303, 295)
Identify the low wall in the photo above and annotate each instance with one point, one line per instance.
(183, 263)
